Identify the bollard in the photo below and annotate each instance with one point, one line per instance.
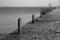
(33, 18)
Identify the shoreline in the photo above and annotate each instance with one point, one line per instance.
(30, 27)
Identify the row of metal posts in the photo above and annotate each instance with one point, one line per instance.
(19, 24)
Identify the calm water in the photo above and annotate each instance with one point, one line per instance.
(9, 17)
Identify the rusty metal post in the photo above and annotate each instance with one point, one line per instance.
(33, 18)
(19, 29)
(19, 24)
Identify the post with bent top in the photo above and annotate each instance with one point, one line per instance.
(19, 24)
(33, 18)
(19, 27)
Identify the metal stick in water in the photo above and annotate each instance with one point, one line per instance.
(19, 27)
(19, 24)
(33, 18)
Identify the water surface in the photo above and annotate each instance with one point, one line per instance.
(9, 17)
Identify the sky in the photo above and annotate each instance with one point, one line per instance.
(28, 3)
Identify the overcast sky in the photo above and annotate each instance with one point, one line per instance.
(25, 3)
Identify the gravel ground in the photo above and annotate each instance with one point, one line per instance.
(48, 28)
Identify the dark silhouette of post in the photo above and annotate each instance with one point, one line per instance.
(33, 18)
(19, 27)
(19, 24)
